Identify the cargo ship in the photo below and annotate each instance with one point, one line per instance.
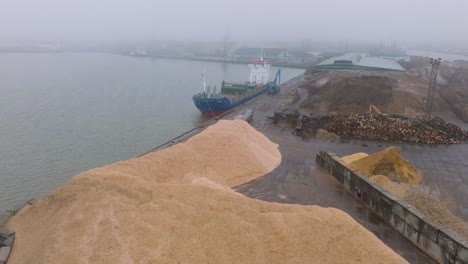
(212, 103)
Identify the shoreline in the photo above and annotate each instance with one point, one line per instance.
(214, 59)
(190, 58)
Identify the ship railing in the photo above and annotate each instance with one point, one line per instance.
(244, 95)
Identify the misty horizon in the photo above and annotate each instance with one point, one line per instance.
(364, 21)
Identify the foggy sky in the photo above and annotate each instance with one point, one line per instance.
(403, 21)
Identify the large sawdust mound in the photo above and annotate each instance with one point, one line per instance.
(176, 206)
(353, 92)
(350, 94)
(390, 163)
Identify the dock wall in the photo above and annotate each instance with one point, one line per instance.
(439, 242)
(6, 239)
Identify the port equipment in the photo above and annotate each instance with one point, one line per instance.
(374, 109)
(275, 89)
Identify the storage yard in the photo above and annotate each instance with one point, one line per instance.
(232, 192)
(443, 168)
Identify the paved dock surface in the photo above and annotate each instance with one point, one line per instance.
(444, 167)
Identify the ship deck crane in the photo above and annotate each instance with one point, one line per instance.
(274, 85)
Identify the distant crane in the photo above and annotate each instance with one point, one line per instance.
(431, 86)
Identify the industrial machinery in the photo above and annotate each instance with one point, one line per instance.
(374, 109)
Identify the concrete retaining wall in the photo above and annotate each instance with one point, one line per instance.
(439, 242)
(7, 237)
(6, 243)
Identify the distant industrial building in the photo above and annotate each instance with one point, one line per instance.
(391, 53)
(358, 62)
(273, 54)
(405, 58)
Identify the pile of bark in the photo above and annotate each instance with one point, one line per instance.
(384, 127)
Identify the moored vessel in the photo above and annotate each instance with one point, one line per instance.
(212, 103)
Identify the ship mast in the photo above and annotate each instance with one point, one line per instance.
(204, 81)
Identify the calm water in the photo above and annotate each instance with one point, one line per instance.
(61, 114)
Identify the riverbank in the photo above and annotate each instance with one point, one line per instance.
(217, 59)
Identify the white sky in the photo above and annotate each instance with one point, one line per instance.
(91, 21)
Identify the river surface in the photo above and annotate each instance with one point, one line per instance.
(64, 113)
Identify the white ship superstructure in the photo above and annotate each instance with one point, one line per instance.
(259, 72)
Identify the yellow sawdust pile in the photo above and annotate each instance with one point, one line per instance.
(390, 163)
(433, 209)
(176, 206)
(437, 212)
(353, 157)
(400, 190)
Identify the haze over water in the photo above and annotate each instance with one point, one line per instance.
(61, 114)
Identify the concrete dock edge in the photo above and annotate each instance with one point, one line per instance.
(6, 243)
(7, 237)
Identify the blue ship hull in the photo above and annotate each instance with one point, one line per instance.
(214, 106)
